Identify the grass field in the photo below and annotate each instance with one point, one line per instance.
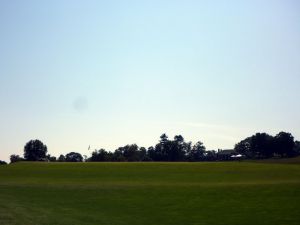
(231, 193)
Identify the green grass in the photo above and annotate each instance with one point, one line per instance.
(150, 193)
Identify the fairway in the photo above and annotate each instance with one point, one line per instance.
(226, 193)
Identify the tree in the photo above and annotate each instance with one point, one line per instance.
(197, 152)
(16, 158)
(51, 158)
(130, 152)
(284, 144)
(244, 148)
(262, 144)
(99, 156)
(178, 149)
(297, 147)
(163, 138)
(35, 150)
(61, 158)
(74, 157)
(170, 150)
(3, 162)
(162, 149)
(143, 156)
(118, 155)
(151, 153)
(211, 155)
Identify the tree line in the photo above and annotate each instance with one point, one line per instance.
(263, 145)
(258, 146)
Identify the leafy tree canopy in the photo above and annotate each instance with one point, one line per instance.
(74, 157)
(35, 150)
(2, 162)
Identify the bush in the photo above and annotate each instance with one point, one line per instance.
(16, 158)
(3, 162)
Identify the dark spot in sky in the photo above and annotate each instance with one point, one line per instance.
(80, 104)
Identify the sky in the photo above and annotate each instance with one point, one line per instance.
(111, 73)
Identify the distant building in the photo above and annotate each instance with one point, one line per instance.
(225, 154)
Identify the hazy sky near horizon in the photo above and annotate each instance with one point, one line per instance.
(110, 73)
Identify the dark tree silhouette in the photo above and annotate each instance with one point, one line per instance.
(162, 149)
(170, 150)
(197, 153)
(99, 156)
(143, 155)
(262, 145)
(297, 147)
(284, 144)
(74, 157)
(211, 156)
(35, 150)
(178, 149)
(61, 158)
(152, 153)
(259, 145)
(16, 158)
(244, 148)
(2, 162)
(51, 158)
(118, 155)
(131, 153)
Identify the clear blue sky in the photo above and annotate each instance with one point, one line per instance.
(110, 73)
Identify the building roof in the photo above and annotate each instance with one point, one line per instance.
(226, 152)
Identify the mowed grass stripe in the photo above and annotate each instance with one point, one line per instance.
(143, 184)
